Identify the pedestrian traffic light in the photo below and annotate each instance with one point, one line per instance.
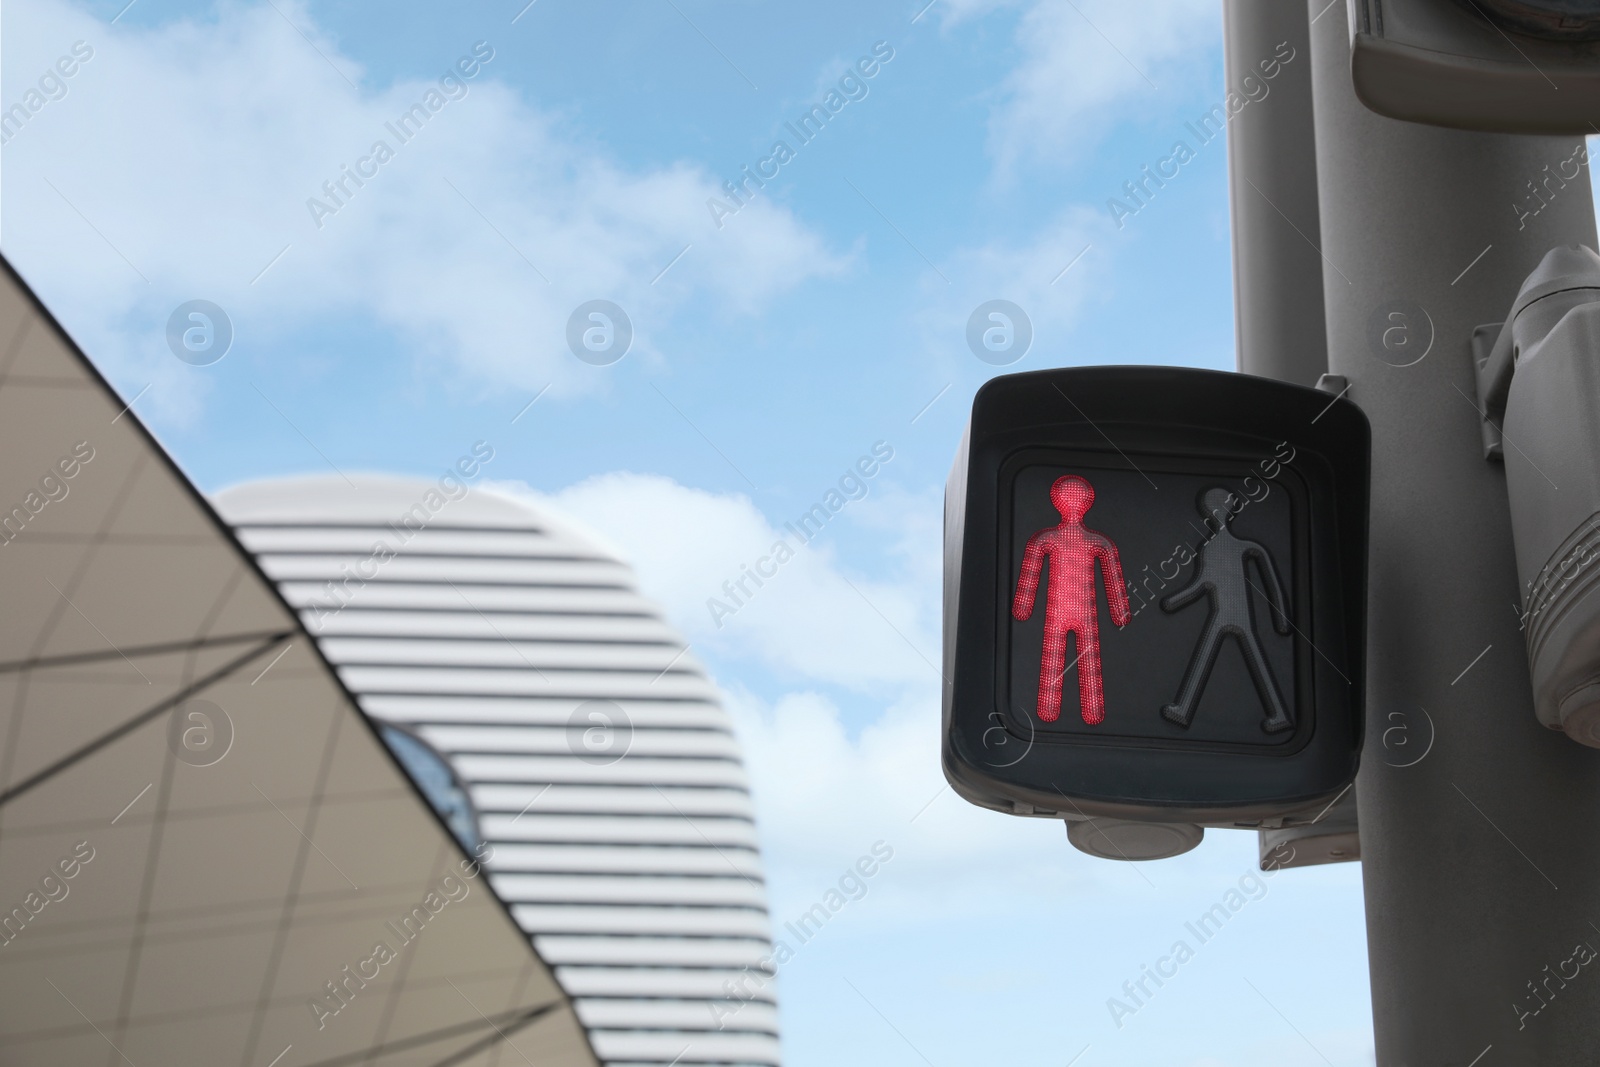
(1515, 66)
(1539, 389)
(1154, 602)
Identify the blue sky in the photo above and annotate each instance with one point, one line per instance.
(769, 353)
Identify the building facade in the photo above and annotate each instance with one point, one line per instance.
(579, 739)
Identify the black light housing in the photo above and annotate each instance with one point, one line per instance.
(1156, 445)
(1507, 66)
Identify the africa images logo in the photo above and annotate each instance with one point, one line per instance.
(199, 332)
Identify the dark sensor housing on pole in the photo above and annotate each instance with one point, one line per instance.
(1509, 66)
(1539, 390)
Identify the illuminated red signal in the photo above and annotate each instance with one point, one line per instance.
(1071, 604)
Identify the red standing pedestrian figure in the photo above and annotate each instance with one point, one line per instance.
(1071, 604)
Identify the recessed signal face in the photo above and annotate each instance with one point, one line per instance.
(1154, 596)
(1170, 607)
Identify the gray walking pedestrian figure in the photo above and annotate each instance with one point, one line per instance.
(1220, 575)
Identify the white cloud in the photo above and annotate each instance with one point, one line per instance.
(812, 622)
(1083, 68)
(194, 148)
(824, 798)
(1030, 274)
(1082, 62)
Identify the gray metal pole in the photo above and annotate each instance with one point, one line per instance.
(1272, 170)
(1277, 272)
(1482, 861)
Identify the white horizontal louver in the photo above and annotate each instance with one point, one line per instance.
(677, 1015)
(591, 800)
(526, 679)
(641, 921)
(544, 740)
(537, 711)
(621, 830)
(652, 951)
(705, 983)
(320, 568)
(641, 771)
(622, 1047)
(459, 620)
(496, 650)
(632, 860)
(732, 891)
(384, 593)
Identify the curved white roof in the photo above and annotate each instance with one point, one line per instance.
(492, 628)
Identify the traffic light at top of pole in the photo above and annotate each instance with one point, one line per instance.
(1513, 66)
